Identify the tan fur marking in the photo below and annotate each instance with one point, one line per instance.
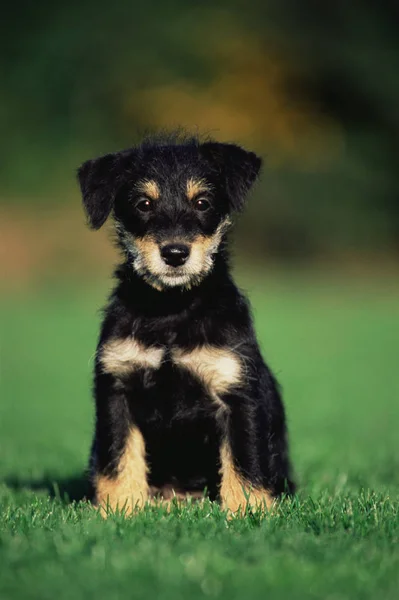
(123, 356)
(148, 263)
(218, 368)
(195, 187)
(205, 246)
(149, 251)
(235, 492)
(130, 488)
(150, 188)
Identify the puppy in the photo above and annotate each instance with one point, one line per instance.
(185, 405)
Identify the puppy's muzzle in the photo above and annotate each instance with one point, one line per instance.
(175, 255)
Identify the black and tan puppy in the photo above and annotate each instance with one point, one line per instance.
(184, 402)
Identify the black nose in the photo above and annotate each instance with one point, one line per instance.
(175, 254)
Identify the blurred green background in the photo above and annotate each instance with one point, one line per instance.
(312, 86)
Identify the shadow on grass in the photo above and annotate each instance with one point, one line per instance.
(68, 489)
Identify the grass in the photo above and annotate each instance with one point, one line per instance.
(335, 350)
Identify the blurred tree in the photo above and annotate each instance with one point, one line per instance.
(312, 85)
(349, 53)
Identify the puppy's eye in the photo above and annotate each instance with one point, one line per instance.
(144, 205)
(202, 204)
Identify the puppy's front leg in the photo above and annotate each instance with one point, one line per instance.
(242, 482)
(119, 467)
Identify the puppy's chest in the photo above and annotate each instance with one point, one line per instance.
(217, 368)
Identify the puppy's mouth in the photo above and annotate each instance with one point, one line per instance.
(172, 274)
(174, 263)
(176, 272)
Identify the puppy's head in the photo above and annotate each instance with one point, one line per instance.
(171, 204)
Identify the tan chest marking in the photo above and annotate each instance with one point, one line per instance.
(123, 356)
(219, 369)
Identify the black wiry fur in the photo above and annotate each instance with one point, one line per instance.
(182, 425)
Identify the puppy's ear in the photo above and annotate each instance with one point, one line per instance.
(236, 166)
(99, 181)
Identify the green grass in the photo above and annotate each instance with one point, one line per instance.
(334, 349)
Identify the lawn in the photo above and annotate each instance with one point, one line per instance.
(335, 350)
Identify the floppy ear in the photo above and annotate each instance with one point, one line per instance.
(238, 167)
(99, 181)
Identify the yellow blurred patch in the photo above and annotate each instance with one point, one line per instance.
(247, 101)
